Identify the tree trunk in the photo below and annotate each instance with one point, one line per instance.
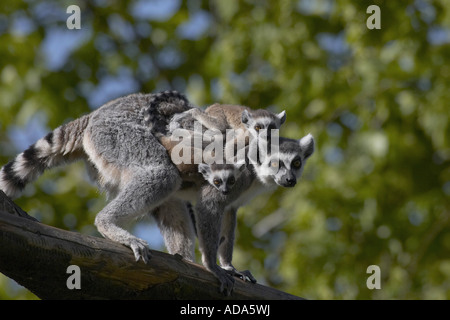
(37, 256)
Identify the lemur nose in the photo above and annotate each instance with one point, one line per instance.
(291, 181)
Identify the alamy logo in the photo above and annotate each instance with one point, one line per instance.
(74, 280)
(374, 281)
(374, 21)
(74, 21)
(232, 147)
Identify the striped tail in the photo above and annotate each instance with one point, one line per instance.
(162, 107)
(63, 145)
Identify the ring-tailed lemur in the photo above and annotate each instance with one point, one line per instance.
(245, 121)
(241, 117)
(124, 157)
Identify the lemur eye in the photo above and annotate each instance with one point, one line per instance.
(232, 180)
(257, 127)
(217, 182)
(297, 163)
(274, 164)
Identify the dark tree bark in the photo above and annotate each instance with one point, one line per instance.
(37, 256)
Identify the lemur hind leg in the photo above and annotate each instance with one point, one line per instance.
(177, 228)
(209, 215)
(226, 246)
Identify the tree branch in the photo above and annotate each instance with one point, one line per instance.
(37, 256)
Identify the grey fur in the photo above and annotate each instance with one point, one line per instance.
(186, 120)
(122, 154)
(132, 163)
(174, 221)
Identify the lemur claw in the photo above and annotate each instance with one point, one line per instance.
(226, 281)
(140, 250)
(245, 275)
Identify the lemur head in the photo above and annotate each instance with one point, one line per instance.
(221, 176)
(286, 166)
(258, 120)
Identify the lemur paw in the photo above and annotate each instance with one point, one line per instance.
(140, 249)
(226, 281)
(245, 275)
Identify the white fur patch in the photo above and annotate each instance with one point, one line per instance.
(22, 169)
(109, 174)
(44, 149)
(223, 174)
(287, 159)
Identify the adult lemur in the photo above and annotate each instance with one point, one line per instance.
(122, 155)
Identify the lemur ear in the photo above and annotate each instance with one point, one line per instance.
(282, 116)
(307, 145)
(245, 116)
(204, 169)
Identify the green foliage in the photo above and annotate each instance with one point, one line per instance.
(375, 192)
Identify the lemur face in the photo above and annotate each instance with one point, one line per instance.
(258, 120)
(221, 176)
(286, 167)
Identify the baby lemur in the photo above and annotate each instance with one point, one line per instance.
(222, 117)
(222, 176)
